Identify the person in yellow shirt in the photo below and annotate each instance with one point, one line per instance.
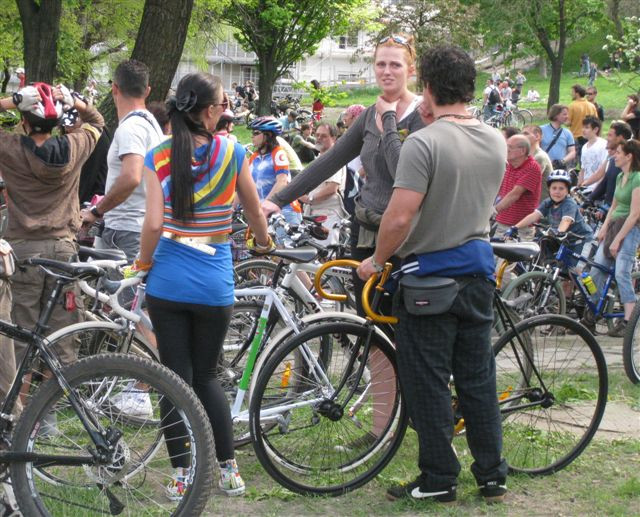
(578, 110)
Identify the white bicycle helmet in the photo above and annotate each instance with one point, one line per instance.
(559, 175)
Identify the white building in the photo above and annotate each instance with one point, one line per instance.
(343, 59)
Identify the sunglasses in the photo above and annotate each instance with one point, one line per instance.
(400, 40)
(224, 104)
(256, 133)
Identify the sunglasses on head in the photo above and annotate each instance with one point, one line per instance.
(400, 40)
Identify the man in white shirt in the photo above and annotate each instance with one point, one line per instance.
(594, 152)
(326, 198)
(123, 205)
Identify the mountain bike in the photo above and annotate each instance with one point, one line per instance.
(97, 461)
(339, 422)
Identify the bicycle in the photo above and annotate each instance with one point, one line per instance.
(98, 461)
(340, 422)
(631, 348)
(547, 284)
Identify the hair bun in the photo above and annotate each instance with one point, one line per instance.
(185, 102)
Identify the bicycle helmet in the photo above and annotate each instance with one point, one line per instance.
(559, 175)
(44, 115)
(267, 124)
(70, 117)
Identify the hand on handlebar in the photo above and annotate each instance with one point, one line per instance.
(366, 270)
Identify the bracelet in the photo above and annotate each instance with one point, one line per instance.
(95, 212)
(378, 268)
(141, 266)
(258, 247)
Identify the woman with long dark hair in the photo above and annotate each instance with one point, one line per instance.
(191, 181)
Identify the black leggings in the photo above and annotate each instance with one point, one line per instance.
(190, 337)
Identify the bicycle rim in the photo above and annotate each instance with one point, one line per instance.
(315, 447)
(631, 347)
(133, 480)
(547, 423)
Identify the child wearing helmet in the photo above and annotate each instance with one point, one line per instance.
(560, 210)
(269, 164)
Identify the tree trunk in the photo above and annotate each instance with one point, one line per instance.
(554, 84)
(615, 16)
(160, 52)
(267, 78)
(6, 75)
(40, 29)
(542, 66)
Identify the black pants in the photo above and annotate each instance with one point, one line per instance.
(429, 350)
(190, 337)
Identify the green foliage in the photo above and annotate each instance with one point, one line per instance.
(92, 32)
(284, 31)
(10, 35)
(328, 95)
(627, 50)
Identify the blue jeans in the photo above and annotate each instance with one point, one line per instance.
(623, 265)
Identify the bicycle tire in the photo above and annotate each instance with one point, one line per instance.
(37, 497)
(254, 272)
(631, 347)
(535, 283)
(310, 449)
(613, 303)
(518, 118)
(541, 440)
(526, 114)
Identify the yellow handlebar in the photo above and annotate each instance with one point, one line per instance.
(377, 318)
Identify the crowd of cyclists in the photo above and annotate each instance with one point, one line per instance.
(420, 178)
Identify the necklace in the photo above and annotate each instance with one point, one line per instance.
(455, 115)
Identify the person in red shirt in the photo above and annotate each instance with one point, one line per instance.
(519, 193)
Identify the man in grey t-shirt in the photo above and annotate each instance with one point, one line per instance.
(123, 205)
(438, 220)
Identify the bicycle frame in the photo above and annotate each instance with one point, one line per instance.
(37, 344)
(564, 255)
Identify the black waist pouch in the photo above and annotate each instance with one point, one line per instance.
(428, 295)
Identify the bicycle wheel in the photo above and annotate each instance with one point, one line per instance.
(614, 305)
(317, 426)
(517, 119)
(254, 272)
(128, 479)
(526, 114)
(537, 284)
(631, 347)
(552, 390)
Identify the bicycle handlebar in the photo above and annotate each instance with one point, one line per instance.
(383, 277)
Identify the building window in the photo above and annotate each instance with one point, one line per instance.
(350, 40)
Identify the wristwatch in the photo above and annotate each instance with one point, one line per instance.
(378, 268)
(94, 210)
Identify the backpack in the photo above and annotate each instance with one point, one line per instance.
(494, 96)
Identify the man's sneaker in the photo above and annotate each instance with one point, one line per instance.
(178, 484)
(362, 442)
(619, 328)
(133, 402)
(494, 491)
(231, 483)
(49, 426)
(416, 491)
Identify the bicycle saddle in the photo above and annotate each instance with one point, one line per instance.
(516, 251)
(85, 253)
(305, 254)
(74, 270)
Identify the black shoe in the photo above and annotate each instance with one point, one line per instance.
(589, 320)
(417, 491)
(619, 329)
(494, 491)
